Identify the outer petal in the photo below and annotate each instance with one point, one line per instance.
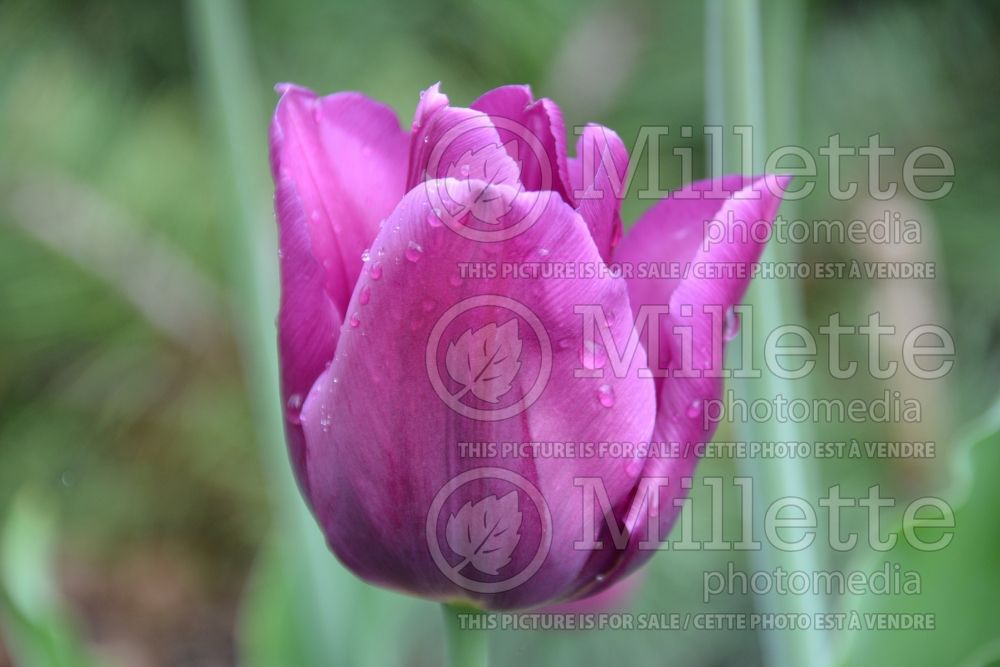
(673, 231)
(598, 174)
(308, 321)
(383, 442)
(338, 164)
(538, 134)
(346, 156)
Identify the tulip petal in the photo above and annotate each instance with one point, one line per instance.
(598, 176)
(538, 134)
(338, 167)
(308, 321)
(455, 142)
(383, 440)
(674, 231)
(346, 155)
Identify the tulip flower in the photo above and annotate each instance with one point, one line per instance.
(445, 401)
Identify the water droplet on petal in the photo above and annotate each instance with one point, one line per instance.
(365, 296)
(599, 578)
(375, 270)
(606, 395)
(694, 410)
(414, 251)
(434, 218)
(366, 255)
(294, 406)
(593, 355)
(732, 326)
(355, 320)
(544, 252)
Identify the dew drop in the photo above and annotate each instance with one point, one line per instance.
(414, 251)
(434, 218)
(606, 395)
(365, 296)
(464, 170)
(593, 355)
(366, 255)
(294, 406)
(355, 320)
(599, 578)
(543, 252)
(732, 326)
(694, 409)
(375, 270)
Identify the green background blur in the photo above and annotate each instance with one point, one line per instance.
(138, 500)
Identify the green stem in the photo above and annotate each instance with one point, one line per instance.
(468, 646)
(231, 93)
(736, 96)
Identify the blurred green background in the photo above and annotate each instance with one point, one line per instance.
(142, 526)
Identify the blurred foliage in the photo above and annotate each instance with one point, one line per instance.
(139, 435)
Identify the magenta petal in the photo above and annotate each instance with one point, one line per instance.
(455, 142)
(598, 176)
(308, 321)
(535, 132)
(383, 442)
(346, 156)
(673, 231)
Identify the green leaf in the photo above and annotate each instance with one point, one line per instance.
(37, 629)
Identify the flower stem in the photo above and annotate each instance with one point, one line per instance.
(467, 647)
(737, 96)
(231, 95)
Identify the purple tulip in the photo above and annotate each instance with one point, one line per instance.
(432, 323)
